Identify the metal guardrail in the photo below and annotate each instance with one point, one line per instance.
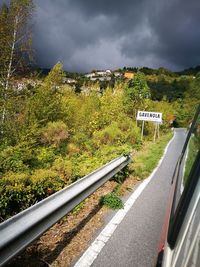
(19, 231)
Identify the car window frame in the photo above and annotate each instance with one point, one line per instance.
(178, 211)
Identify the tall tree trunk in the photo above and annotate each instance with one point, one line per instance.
(9, 71)
(11, 53)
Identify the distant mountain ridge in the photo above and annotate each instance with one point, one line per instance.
(190, 71)
(145, 70)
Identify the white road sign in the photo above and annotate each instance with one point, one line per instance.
(149, 116)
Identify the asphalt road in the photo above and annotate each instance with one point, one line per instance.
(134, 243)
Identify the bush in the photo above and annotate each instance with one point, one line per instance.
(45, 182)
(118, 133)
(72, 149)
(112, 201)
(64, 168)
(54, 133)
(109, 135)
(84, 164)
(19, 191)
(131, 132)
(82, 141)
(15, 158)
(15, 194)
(44, 157)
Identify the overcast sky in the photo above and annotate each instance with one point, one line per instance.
(108, 34)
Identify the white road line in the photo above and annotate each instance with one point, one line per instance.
(92, 252)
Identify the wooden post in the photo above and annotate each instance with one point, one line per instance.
(158, 130)
(142, 133)
(154, 139)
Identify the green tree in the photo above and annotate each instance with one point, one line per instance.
(45, 104)
(55, 77)
(15, 37)
(136, 92)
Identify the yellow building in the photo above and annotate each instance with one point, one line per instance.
(129, 75)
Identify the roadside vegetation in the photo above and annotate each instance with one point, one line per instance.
(112, 201)
(52, 134)
(147, 158)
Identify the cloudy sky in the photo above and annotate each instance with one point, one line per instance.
(99, 34)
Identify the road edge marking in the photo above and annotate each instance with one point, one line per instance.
(92, 252)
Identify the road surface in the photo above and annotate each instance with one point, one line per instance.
(134, 242)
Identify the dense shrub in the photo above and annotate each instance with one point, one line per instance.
(131, 131)
(10, 160)
(84, 164)
(15, 193)
(54, 133)
(72, 149)
(82, 141)
(44, 157)
(63, 166)
(15, 158)
(109, 135)
(18, 191)
(45, 182)
(120, 133)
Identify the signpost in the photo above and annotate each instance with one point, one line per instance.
(150, 116)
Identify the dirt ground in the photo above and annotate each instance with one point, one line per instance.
(62, 244)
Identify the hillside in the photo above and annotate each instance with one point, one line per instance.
(55, 132)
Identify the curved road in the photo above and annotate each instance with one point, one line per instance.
(134, 243)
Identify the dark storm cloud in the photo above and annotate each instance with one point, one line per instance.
(176, 26)
(88, 34)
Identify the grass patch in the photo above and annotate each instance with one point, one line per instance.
(112, 201)
(145, 160)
